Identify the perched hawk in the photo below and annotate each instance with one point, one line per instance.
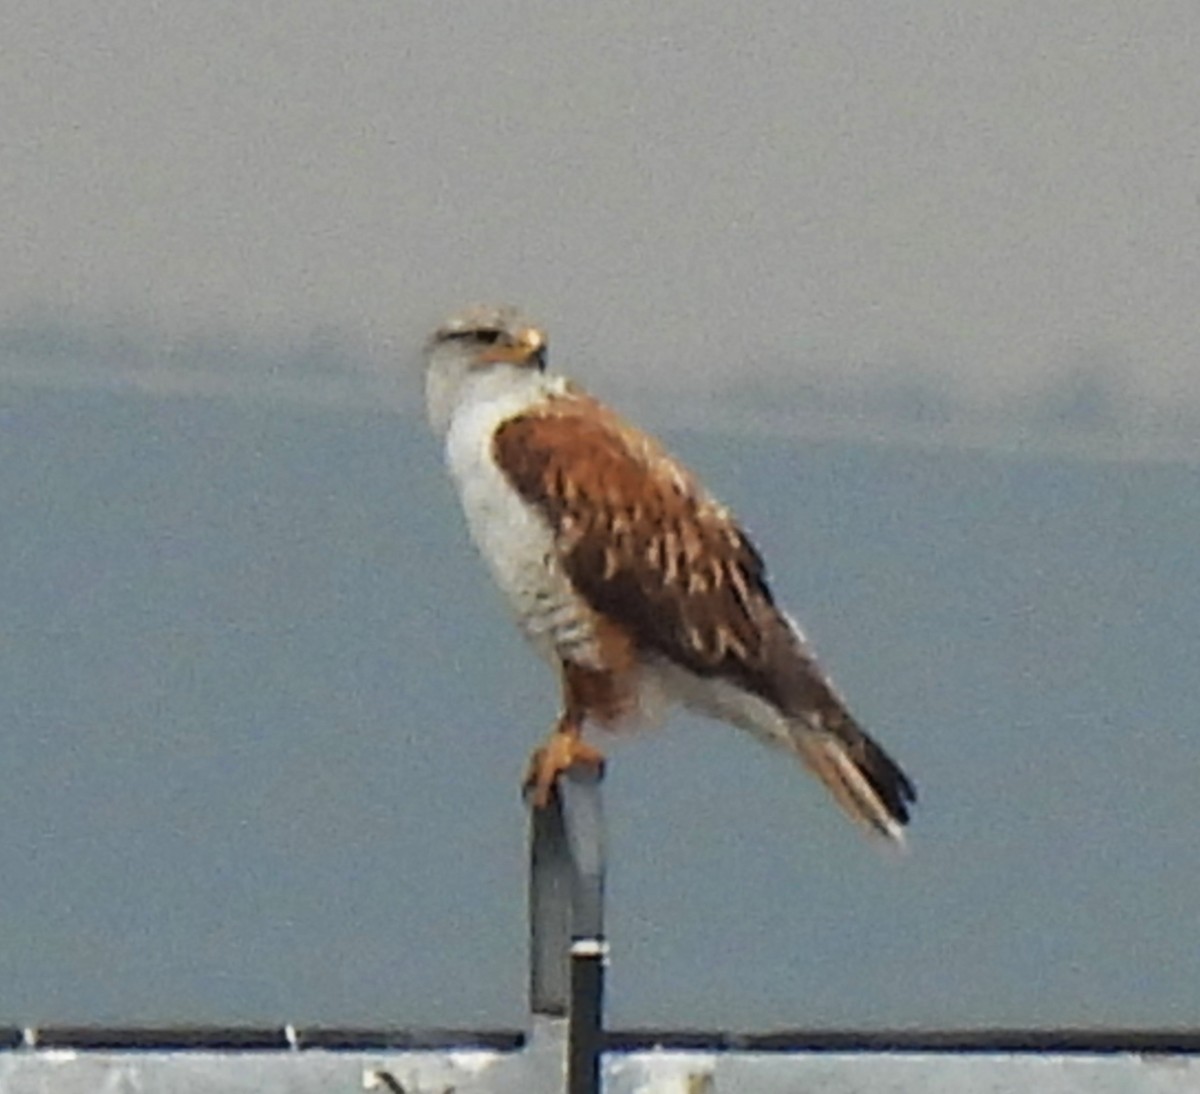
(626, 574)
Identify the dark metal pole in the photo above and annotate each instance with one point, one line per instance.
(566, 918)
(585, 1035)
(583, 819)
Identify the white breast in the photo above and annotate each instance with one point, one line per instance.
(512, 536)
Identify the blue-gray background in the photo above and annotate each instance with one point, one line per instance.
(913, 290)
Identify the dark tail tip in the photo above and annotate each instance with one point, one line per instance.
(894, 787)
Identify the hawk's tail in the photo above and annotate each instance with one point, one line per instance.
(864, 780)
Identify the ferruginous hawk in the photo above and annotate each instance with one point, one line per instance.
(626, 574)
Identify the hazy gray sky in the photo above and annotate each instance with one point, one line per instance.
(262, 714)
(989, 200)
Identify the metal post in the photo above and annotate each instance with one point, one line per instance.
(566, 906)
(550, 871)
(584, 821)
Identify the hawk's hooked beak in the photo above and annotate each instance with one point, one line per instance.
(527, 348)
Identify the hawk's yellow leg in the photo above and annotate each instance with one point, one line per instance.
(563, 749)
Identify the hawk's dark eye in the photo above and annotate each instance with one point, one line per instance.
(487, 336)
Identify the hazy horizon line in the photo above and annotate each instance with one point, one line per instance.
(1080, 416)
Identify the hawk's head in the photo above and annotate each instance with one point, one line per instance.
(478, 340)
(488, 335)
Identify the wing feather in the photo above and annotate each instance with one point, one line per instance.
(641, 540)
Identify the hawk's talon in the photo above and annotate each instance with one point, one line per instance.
(563, 750)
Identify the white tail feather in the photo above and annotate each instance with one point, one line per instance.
(826, 757)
